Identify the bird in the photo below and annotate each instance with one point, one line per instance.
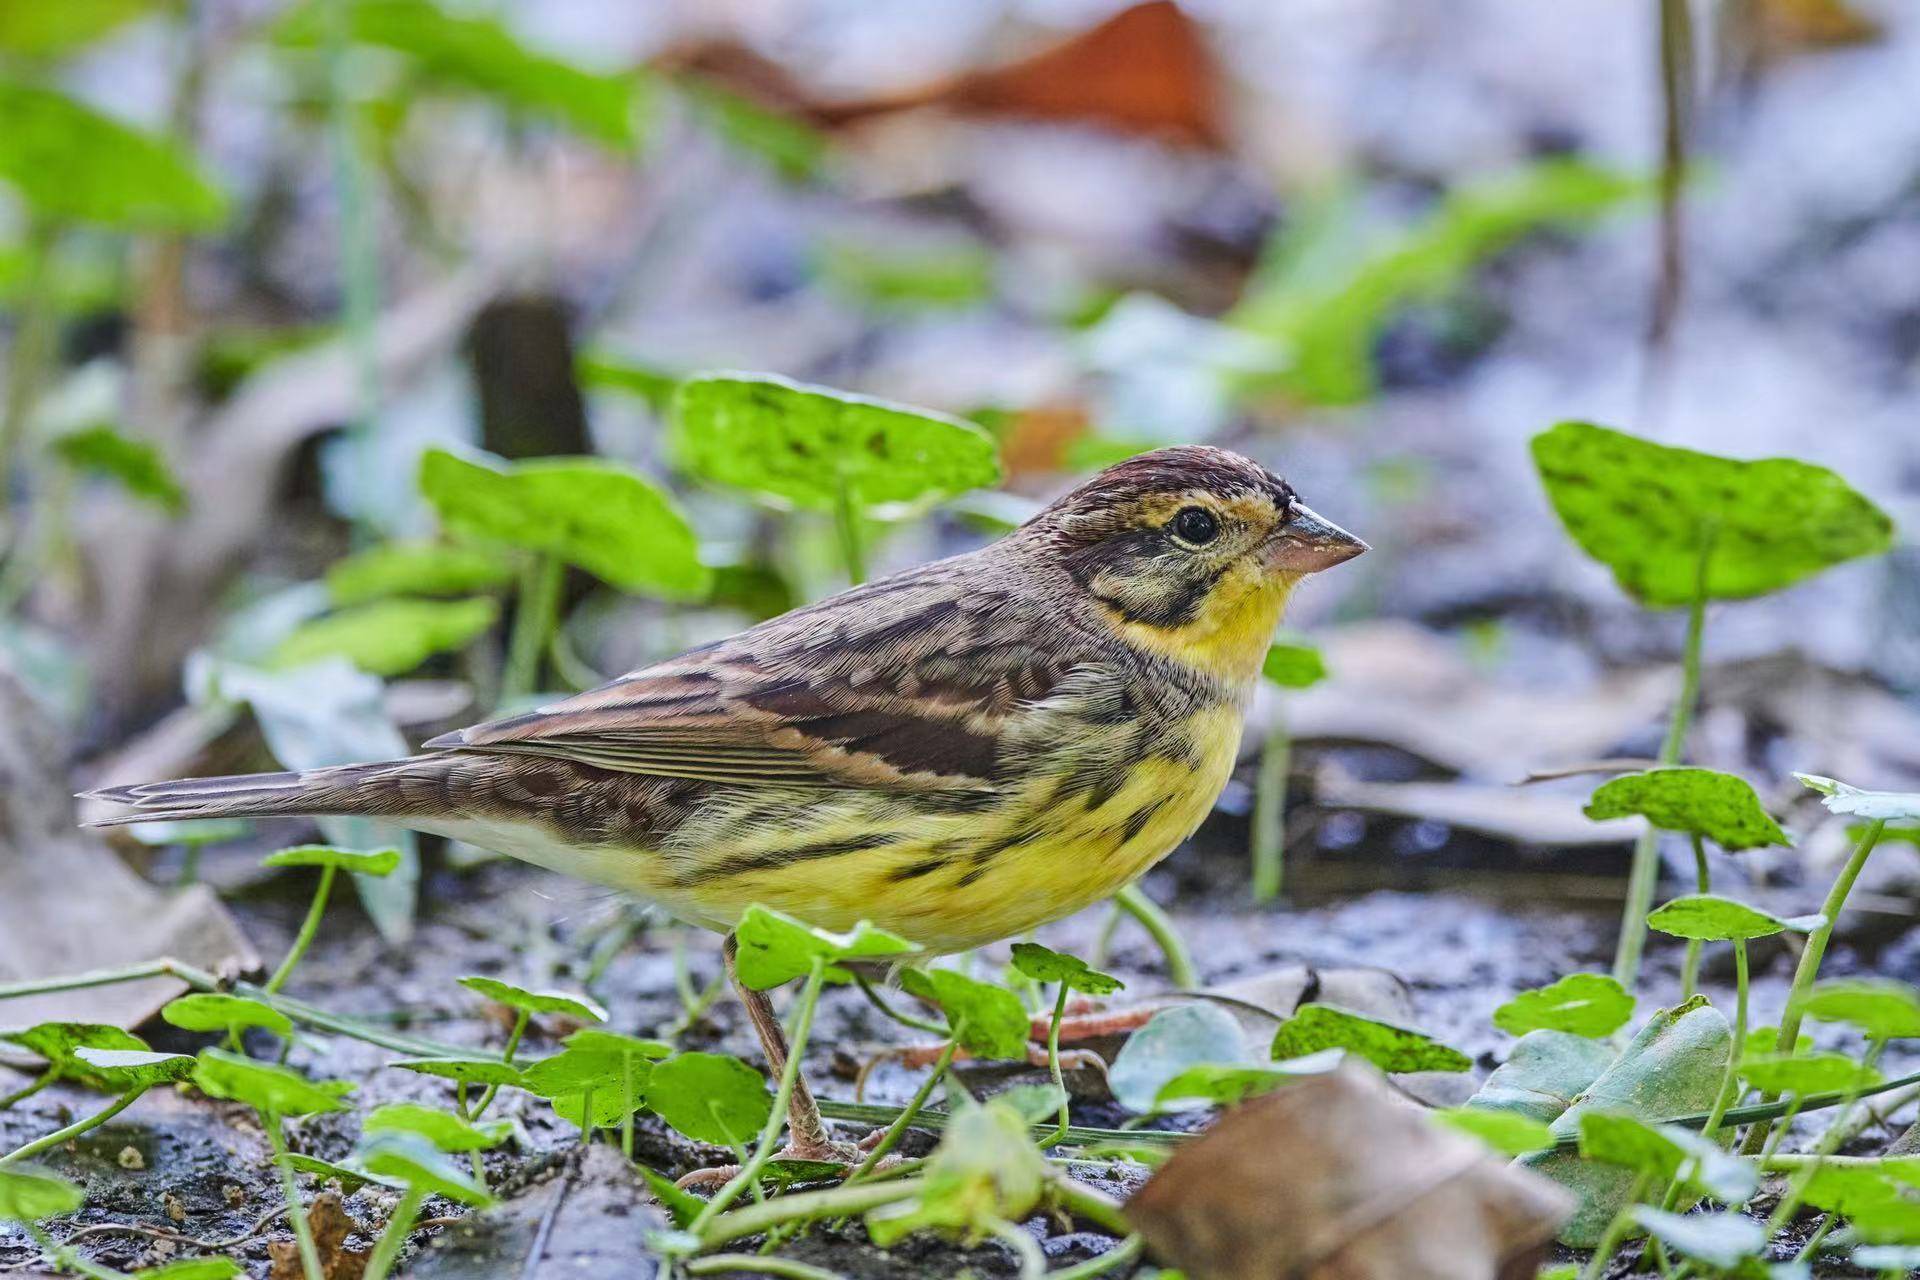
(956, 753)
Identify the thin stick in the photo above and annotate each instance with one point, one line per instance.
(1180, 967)
(308, 928)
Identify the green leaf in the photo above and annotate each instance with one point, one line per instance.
(364, 862)
(443, 1129)
(487, 1071)
(600, 1040)
(1716, 806)
(136, 465)
(217, 1012)
(1875, 806)
(793, 148)
(29, 1193)
(1173, 1041)
(602, 370)
(1857, 832)
(193, 1269)
(479, 55)
(1294, 666)
(1388, 1046)
(710, 1097)
(1044, 964)
(69, 163)
(607, 519)
(1711, 918)
(269, 1089)
(415, 569)
(121, 1069)
(952, 275)
(33, 29)
(1036, 1103)
(57, 1041)
(347, 1174)
(1544, 1074)
(1646, 510)
(616, 1081)
(986, 1170)
(988, 1021)
(774, 947)
(1883, 1009)
(585, 1008)
(1806, 1073)
(410, 1158)
(1223, 1084)
(1586, 1004)
(802, 443)
(681, 1206)
(1856, 1189)
(388, 637)
(1666, 1152)
(1508, 1132)
(1721, 1240)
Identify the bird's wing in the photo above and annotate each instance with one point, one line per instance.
(910, 687)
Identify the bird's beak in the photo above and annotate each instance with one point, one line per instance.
(1310, 542)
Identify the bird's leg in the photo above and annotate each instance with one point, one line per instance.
(807, 1135)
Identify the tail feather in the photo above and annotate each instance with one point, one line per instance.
(375, 789)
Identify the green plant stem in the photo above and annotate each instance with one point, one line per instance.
(626, 1106)
(1270, 811)
(74, 1130)
(536, 613)
(1810, 958)
(1033, 1263)
(359, 256)
(904, 1019)
(789, 1078)
(1814, 1241)
(1118, 1256)
(1822, 1151)
(1096, 1207)
(513, 1043)
(1703, 883)
(1053, 1066)
(1180, 968)
(1730, 1085)
(846, 521)
(1616, 1231)
(302, 1233)
(1645, 872)
(46, 1078)
(308, 929)
(394, 1238)
(895, 1131)
(759, 1265)
(33, 352)
(751, 1220)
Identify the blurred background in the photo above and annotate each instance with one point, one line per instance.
(256, 257)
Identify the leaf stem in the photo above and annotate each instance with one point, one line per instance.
(1616, 1231)
(1703, 883)
(33, 350)
(1270, 811)
(1810, 958)
(308, 929)
(535, 615)
(1730, 1084)
(760, 1265)
(302, 1232)
(1822, 1152)
(896, 1130)
(904, 1019)
(513, 1042)
(394, 1238)
(753, 1219)
(1644, 874)
(846, 521)
(1053, 1066)
(1033, 1263)
(46, 1078)
(789, 1078)
(74, 1130)
(1118, 1256)
(1180, 968)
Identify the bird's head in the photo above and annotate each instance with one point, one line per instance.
(1191, 552)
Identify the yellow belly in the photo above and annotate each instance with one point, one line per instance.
(950, 881)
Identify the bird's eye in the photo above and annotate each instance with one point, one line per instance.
(1195, 525)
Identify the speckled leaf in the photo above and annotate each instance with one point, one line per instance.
(1879, 806)
(1586, 1004)
(265, 1087)
(1043, 964)
(1673, 1067)
(800, 443)
(1544, 1074)
(1388, 1046)
(609, 520)
(120, 1069)
(1644, 510)
(583, 1007)
(216, 1011)
(1173, 1041)
(710, 1097)
(775, 948)
(29, 1193)
(56, 1041)
(1704, 802)
(1709, 917)
(988, 1021)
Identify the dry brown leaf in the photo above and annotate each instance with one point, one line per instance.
(327, 1219)
(1338, 1178)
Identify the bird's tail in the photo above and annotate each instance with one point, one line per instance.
(390, 789)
